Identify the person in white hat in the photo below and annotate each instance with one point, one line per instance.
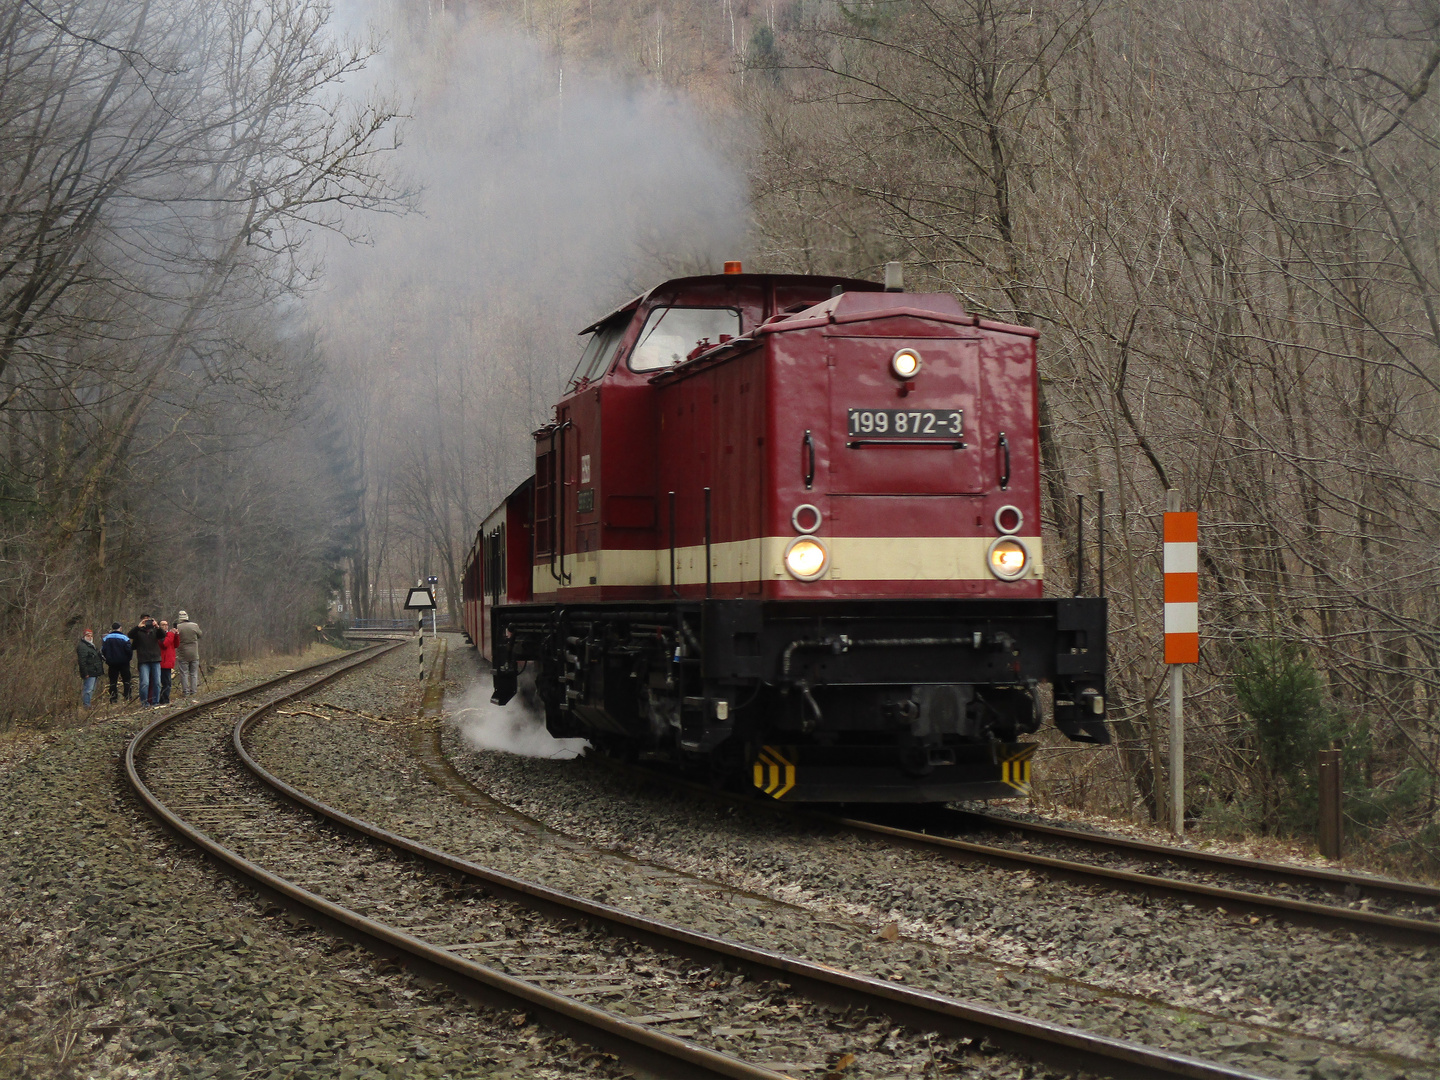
(187, 655)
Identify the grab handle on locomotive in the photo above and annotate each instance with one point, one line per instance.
(557, 502)
(808, 445)
(673, 590)
(1005, 471)
(707, 543)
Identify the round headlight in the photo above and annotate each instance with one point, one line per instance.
(1007, 558)
(905, 363)
(806, 558)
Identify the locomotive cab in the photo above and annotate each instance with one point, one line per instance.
(787, 529)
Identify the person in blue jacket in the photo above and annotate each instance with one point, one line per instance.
(116, 648)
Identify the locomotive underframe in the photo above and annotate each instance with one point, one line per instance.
(833, 701)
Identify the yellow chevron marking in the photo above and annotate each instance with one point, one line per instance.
(766, 772)
(773, 772)
(1015, 769)
(789, 773)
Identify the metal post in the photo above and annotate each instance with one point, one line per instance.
(1177, 749)
(1100, 541)
(420, 637)
(1331, 822)
(1079, 544)
(707, 542)
(1177, 720)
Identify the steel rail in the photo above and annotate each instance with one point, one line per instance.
(1394, 928)
(1054, 1044)
(1324, 916)
(653, 1052)
(1256, 869)
(245, 691)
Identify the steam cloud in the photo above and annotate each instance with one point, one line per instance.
(546, 196)
(548, 193)
(516, 728)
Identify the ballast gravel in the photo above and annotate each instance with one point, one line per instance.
(124, 954)
(189, 767)
(1147, 970)
(762, 1023)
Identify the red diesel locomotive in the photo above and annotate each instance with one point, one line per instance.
(786, 530)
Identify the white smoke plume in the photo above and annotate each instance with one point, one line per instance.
(516, 728)
(546, 193)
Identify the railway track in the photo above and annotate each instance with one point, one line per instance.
(442, 913)
(1303, 895)
(1351, 889)
(1309, 896)
(182, 770)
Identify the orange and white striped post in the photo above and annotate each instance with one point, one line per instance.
(1182, 634)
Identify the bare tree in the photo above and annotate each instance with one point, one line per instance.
(1221, 215)
(166, 164)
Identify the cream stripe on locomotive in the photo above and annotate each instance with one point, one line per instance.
(852, 558)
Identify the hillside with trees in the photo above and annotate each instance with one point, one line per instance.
(1222, 218)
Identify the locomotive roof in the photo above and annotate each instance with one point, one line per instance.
(850, 284)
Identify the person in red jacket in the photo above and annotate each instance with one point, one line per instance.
(169, 640)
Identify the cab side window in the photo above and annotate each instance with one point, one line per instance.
(671, 334)
(600, 351)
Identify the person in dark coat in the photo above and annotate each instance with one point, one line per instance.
(146, 636)
(92, 666)
(117, 648)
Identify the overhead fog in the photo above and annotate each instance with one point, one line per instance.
(547, 193)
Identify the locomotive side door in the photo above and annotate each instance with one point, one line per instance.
(579, 436)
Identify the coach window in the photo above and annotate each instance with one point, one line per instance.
(671, 333)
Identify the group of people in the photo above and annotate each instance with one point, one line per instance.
(157, 648)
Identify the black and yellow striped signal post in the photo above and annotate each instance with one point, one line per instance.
(420, 600)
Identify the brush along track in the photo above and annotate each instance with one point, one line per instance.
(495, 915)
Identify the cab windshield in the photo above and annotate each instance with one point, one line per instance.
(671, 334)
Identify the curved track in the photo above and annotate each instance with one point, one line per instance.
(381, 875)
(1351, 888)
(1194, 877)
(166, 764)
(1305, 896)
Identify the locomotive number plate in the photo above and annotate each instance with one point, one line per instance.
(908, 423)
